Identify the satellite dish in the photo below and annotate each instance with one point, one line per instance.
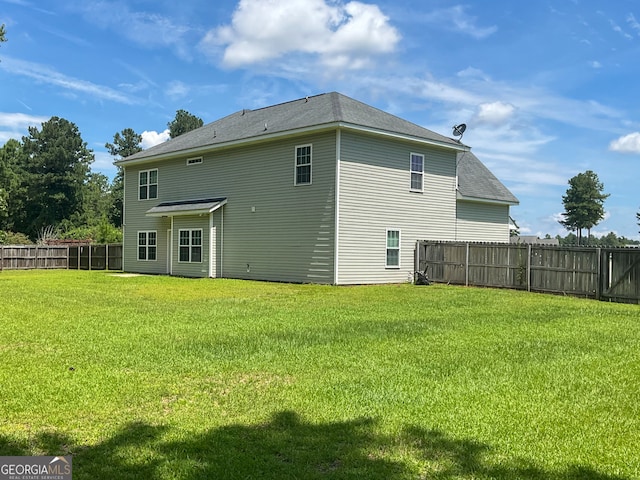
(458, 130)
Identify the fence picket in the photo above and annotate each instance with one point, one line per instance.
(611, 274)
(27, 257)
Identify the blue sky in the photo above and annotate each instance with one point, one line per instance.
(548, 89)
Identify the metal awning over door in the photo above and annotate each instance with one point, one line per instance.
(186, 207)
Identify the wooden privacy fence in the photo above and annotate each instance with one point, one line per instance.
(81, 257)
(611, 274)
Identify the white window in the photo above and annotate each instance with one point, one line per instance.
(393, 249)
(303, 165)
(147, 245)
(417, 172)
(148, 184)
(194, 161)
(190, 246)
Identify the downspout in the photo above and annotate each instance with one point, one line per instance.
(336, 242)
(211, 247)
(124, 210)
(171, 249)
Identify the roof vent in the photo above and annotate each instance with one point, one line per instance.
(265, 126)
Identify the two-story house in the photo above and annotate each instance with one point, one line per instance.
(324, 189)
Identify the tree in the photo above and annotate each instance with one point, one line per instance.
(56, 173)
(583, 203)
(125, 144)
(514, 229)
(12, 191)
(3, 34)
(183, 123)
(638, 218)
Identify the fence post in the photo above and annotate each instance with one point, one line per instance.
(416, 261)
(106, 257)
(1, 257)
(599, 273)
(528, 267)
(466, 265)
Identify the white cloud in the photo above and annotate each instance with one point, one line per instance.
(595, 64)
(147, 29)
(616, 28)
(343, 35)
(48, 75)
(152, 138)
(626, 144)
(16, 125)
(496, 113)
(103, 163)
(177, 90)
(631, 20)
(458, 19)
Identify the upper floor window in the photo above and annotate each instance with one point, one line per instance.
(303, 165)
(190, 246)
(417, 172)
(147, 244)
(148, 184)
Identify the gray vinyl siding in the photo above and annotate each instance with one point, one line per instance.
(482, 222)
(375, 195)
(269, 229)
(135, 221)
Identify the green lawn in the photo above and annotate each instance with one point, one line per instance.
(170, 378)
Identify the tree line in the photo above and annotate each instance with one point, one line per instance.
(584, 209)
(47, 188)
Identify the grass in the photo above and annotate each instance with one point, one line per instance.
(169, 378)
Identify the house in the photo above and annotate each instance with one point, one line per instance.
(323, 189)
(534, 240)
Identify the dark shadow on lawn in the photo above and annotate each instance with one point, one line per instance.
(288, 448)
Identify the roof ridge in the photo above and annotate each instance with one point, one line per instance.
(283, 103)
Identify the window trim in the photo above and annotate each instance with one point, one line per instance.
(194, 161)
(388, 248)
(148, 184)
(296, 166)
(190, 246)
(147, 246)
(416, 172)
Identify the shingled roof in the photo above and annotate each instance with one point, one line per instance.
(310, 113)
(476, 182)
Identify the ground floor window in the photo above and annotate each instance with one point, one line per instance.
(393, 248)
(190, 246)
(147, 245)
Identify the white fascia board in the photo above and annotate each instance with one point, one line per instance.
(491, 201)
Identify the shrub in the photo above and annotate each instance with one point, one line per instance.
(13, 238)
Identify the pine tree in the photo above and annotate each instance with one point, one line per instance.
(583, 203)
